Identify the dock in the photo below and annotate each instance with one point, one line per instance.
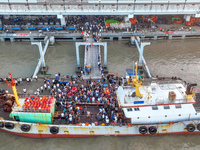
(106, 36)
(91, 58)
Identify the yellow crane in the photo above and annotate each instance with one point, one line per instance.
(11, 83)
(138, 83)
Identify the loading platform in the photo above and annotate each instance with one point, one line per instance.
(92, 52)
(92, 59)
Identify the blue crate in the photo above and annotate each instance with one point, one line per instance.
(138, 102)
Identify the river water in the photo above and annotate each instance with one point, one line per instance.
(179, 58)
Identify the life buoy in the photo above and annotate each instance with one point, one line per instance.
(1, 124)
(25, 127)
(9, 125)
(198, 126)
(152, 130)
(190, 127)
(143, 129)
(54, 130)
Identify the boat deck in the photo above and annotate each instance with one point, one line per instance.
(92, 108)
(83, 117)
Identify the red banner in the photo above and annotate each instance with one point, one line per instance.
(168, 32)
(22, 34)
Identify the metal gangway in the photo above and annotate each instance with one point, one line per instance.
(92, 58)
(92, 52)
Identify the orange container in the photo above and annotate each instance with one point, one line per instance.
(178, 21)
(107, 24)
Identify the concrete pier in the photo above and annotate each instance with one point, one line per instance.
(183, 37)
(12, 39)
(2, 39)
(120, 36)
(170, 37)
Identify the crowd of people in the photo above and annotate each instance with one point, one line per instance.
(74, 98)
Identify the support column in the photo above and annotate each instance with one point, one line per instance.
(170, 37)
(155, 37)
(126, 18)
(2, 40)
(142, 38)
(74, 38)
(39, 44)
(187, 17)
(141, 50)
(31, 39)
(62, 20)
(105, 55)
(119, 38)
(41, 60)
(183, 37)
(12, 39)
(111, 38)
(77, 55)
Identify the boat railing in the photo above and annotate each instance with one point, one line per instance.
(176, 101)
(143, 102)
(161, 82)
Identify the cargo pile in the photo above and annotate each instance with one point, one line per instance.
(108, 22)
(40, 104)
(193, 21)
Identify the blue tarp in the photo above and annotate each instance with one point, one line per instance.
(31, 28)
(59, 28)
(71, 28)
(0, 28)
(57, 77)
(44, 28)
(15, 28)
(61, 82)
(138, 102)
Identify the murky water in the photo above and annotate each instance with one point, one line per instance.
(179, 58)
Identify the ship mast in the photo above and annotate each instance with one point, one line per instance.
(11, 83)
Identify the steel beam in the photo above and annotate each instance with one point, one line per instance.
(141, 57)
(42, 54)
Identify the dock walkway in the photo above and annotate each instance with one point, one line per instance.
(91, 58)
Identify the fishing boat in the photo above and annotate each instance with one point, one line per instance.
(146, 106)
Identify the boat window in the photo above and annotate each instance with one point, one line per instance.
(129, 109)
(166, 107)
(137, 109)
(154, 107)
(178, 106)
